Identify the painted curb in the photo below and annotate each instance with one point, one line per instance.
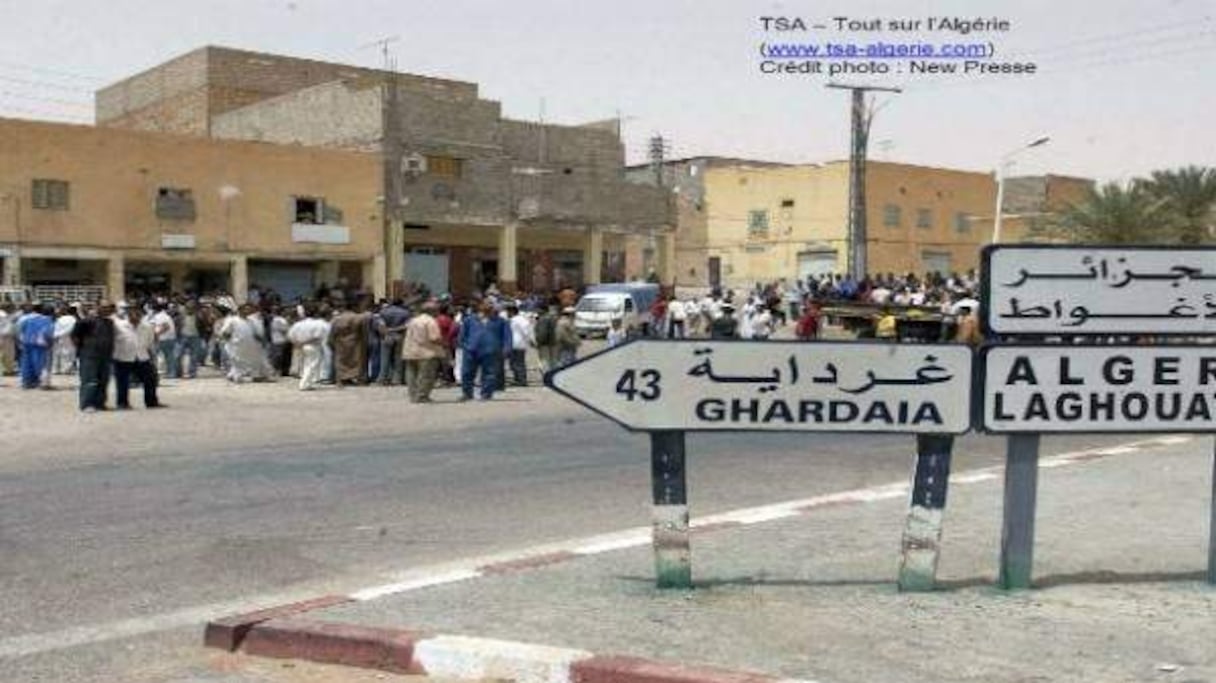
(280, 632)
(228, 632)
(457, 657)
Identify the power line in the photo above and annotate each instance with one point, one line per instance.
(1069, 66)
(1138, 33)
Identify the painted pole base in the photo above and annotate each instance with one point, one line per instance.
(672, 559)
(920, 550)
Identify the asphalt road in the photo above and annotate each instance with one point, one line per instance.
(94, 550)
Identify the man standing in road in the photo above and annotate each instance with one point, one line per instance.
(391, 321)
(36, 332)
(309, 335)
(166, 338)
(545, 333)
(135, 350)
(566, 338)
(348, 338)
(94, 340)
(8, 339)
(521, 339)
(189, 340)
(64, 361)
(422, 349)
(484, 338)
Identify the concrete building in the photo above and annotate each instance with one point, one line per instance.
(469, 197)
(81, 205)
(1032, 203)
(741, 222)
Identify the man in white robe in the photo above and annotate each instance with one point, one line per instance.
(308, 336)
(243, 346)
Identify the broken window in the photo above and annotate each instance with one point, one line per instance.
(174, 203)
(50, 194)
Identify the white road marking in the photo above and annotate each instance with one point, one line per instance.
(421, 582)
(463, 570)
(37, 643)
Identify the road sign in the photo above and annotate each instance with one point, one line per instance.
(776, 386)
(1068, 290)
(1033, 389)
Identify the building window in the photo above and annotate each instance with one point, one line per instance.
(50, 194)
(787, 209)
(175, 203)
(890, 215)
(757, 223)
(962, 222)
(444, 166)
(924, 218)
(309, 210)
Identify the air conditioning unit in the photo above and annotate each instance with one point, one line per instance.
(413, 165)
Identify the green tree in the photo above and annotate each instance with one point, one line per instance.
(1117, 214)
(1189, 193)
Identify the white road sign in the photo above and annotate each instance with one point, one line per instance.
(777, 386)
(1056, 290)
(1099, 388)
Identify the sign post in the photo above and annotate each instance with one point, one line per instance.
(1032, 389)
(923, 529)
(671, 387)
(1021, 498)
(1212, 527)
(672, 561)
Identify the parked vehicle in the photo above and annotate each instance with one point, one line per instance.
(630, 302)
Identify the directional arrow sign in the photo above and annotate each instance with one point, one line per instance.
(775, 386)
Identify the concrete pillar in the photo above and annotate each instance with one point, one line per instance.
(177, 277)
(593, 256)
(374, 274)
(633, 258)
(394, 256)
(667, 258)
(508, 241)
(11, 275)
(238, 278)
(116, 278)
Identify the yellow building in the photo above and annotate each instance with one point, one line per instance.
(742, 222)
(129, 209)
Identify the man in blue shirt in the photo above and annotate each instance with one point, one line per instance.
(484, 340)
(35, 333)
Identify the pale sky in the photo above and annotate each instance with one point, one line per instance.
(1124, 86)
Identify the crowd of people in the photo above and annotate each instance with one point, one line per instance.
(759, 313)
(347, 338)
(416, 340)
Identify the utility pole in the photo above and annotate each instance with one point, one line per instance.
(658, 148)
(861, 120)
(390, 160)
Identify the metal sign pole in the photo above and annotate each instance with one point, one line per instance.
(1212, 526)
(1021, 491)
(923, 530)
(672, 560)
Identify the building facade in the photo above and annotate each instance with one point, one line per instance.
(1033, 204)
(469, 197)
(82, 205)
(744, 222)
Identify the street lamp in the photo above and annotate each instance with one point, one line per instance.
(1002, 167)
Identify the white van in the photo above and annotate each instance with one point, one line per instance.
(604, 303)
